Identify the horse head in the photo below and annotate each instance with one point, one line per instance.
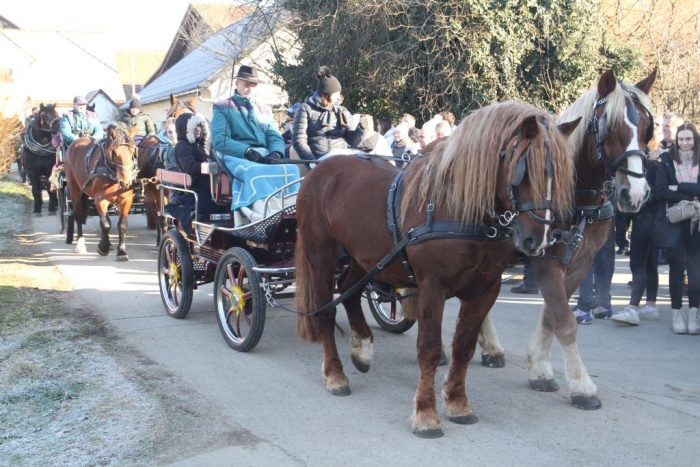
(535, 180)
(178, 107)
(506, 166)
(120, 152)
(47, 118)
(613, 145)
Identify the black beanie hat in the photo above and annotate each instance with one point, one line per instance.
(135, 103)
(327, 83)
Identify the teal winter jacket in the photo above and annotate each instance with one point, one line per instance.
(239, 123)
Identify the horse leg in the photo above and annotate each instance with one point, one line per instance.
(35, 182)
(469, 323)
(557, 320)
(315, 261)
(492, 354)
(361, 339)
(431, 303)
(105, 225)
(122, 226)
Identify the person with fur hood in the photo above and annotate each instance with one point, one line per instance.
(192, 148)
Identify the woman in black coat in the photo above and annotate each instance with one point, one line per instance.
(677, 180)
(321, 123)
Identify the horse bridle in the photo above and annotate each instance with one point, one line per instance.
(517, 204)
(598, 127)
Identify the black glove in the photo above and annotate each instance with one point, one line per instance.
(253, 155)
(275, 156)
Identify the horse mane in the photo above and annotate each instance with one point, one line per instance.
(461, 175)
(615, 110)
(117, 134)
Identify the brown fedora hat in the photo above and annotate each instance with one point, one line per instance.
(248, 73)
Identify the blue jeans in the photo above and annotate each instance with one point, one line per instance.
(601, 273)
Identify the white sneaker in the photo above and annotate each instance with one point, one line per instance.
(693, 322)
(679, 322)
(648, 312)
(627, 316)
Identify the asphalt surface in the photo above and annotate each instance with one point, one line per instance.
(648, 379)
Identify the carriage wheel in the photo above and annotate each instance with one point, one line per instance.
(239, 300)
(175, 274)
(69, 219)
(388, 311)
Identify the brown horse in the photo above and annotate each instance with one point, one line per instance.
(106, 172)
(178, 107)
(609, 159)
(458, 211)
(149, 161)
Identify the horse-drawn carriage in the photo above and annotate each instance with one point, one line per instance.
(251, 265)
(504, 182)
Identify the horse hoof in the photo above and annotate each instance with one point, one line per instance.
(37, 214)
(101, 252)
(429, 434)
(341, 391)
(493, 361)
(544, 385)
(362, 367)
(464, 419)
(122, 258)
(586, 402)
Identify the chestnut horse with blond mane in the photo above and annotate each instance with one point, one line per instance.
(457, 225)
(105, 172)
(609, 153)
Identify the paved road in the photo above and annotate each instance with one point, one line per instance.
(648, 380)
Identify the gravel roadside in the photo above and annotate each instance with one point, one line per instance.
(71, 391)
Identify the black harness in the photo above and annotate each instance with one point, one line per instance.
(598, 127)
(431, 229)
(102, 166)
(588, 214)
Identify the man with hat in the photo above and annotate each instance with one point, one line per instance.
(135, 117)
(246, 137)
(78, 123)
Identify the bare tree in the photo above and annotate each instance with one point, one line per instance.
(668, 35)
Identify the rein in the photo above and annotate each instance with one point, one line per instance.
(427, 231)
(36, 147)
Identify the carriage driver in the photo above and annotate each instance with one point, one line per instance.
(246, 138)
(79, 123)
(134, 116)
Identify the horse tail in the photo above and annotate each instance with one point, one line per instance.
(307, 325)
(409, 305)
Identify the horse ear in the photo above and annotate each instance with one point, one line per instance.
(607, 83)
(568, 127)
(132, 131)
(173, 99)
(529, 128)
(41, 107)
(191, 102)
(646, 84)
(112, 131)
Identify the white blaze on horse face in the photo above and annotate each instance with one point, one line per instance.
(547, 216)
(638, 185)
